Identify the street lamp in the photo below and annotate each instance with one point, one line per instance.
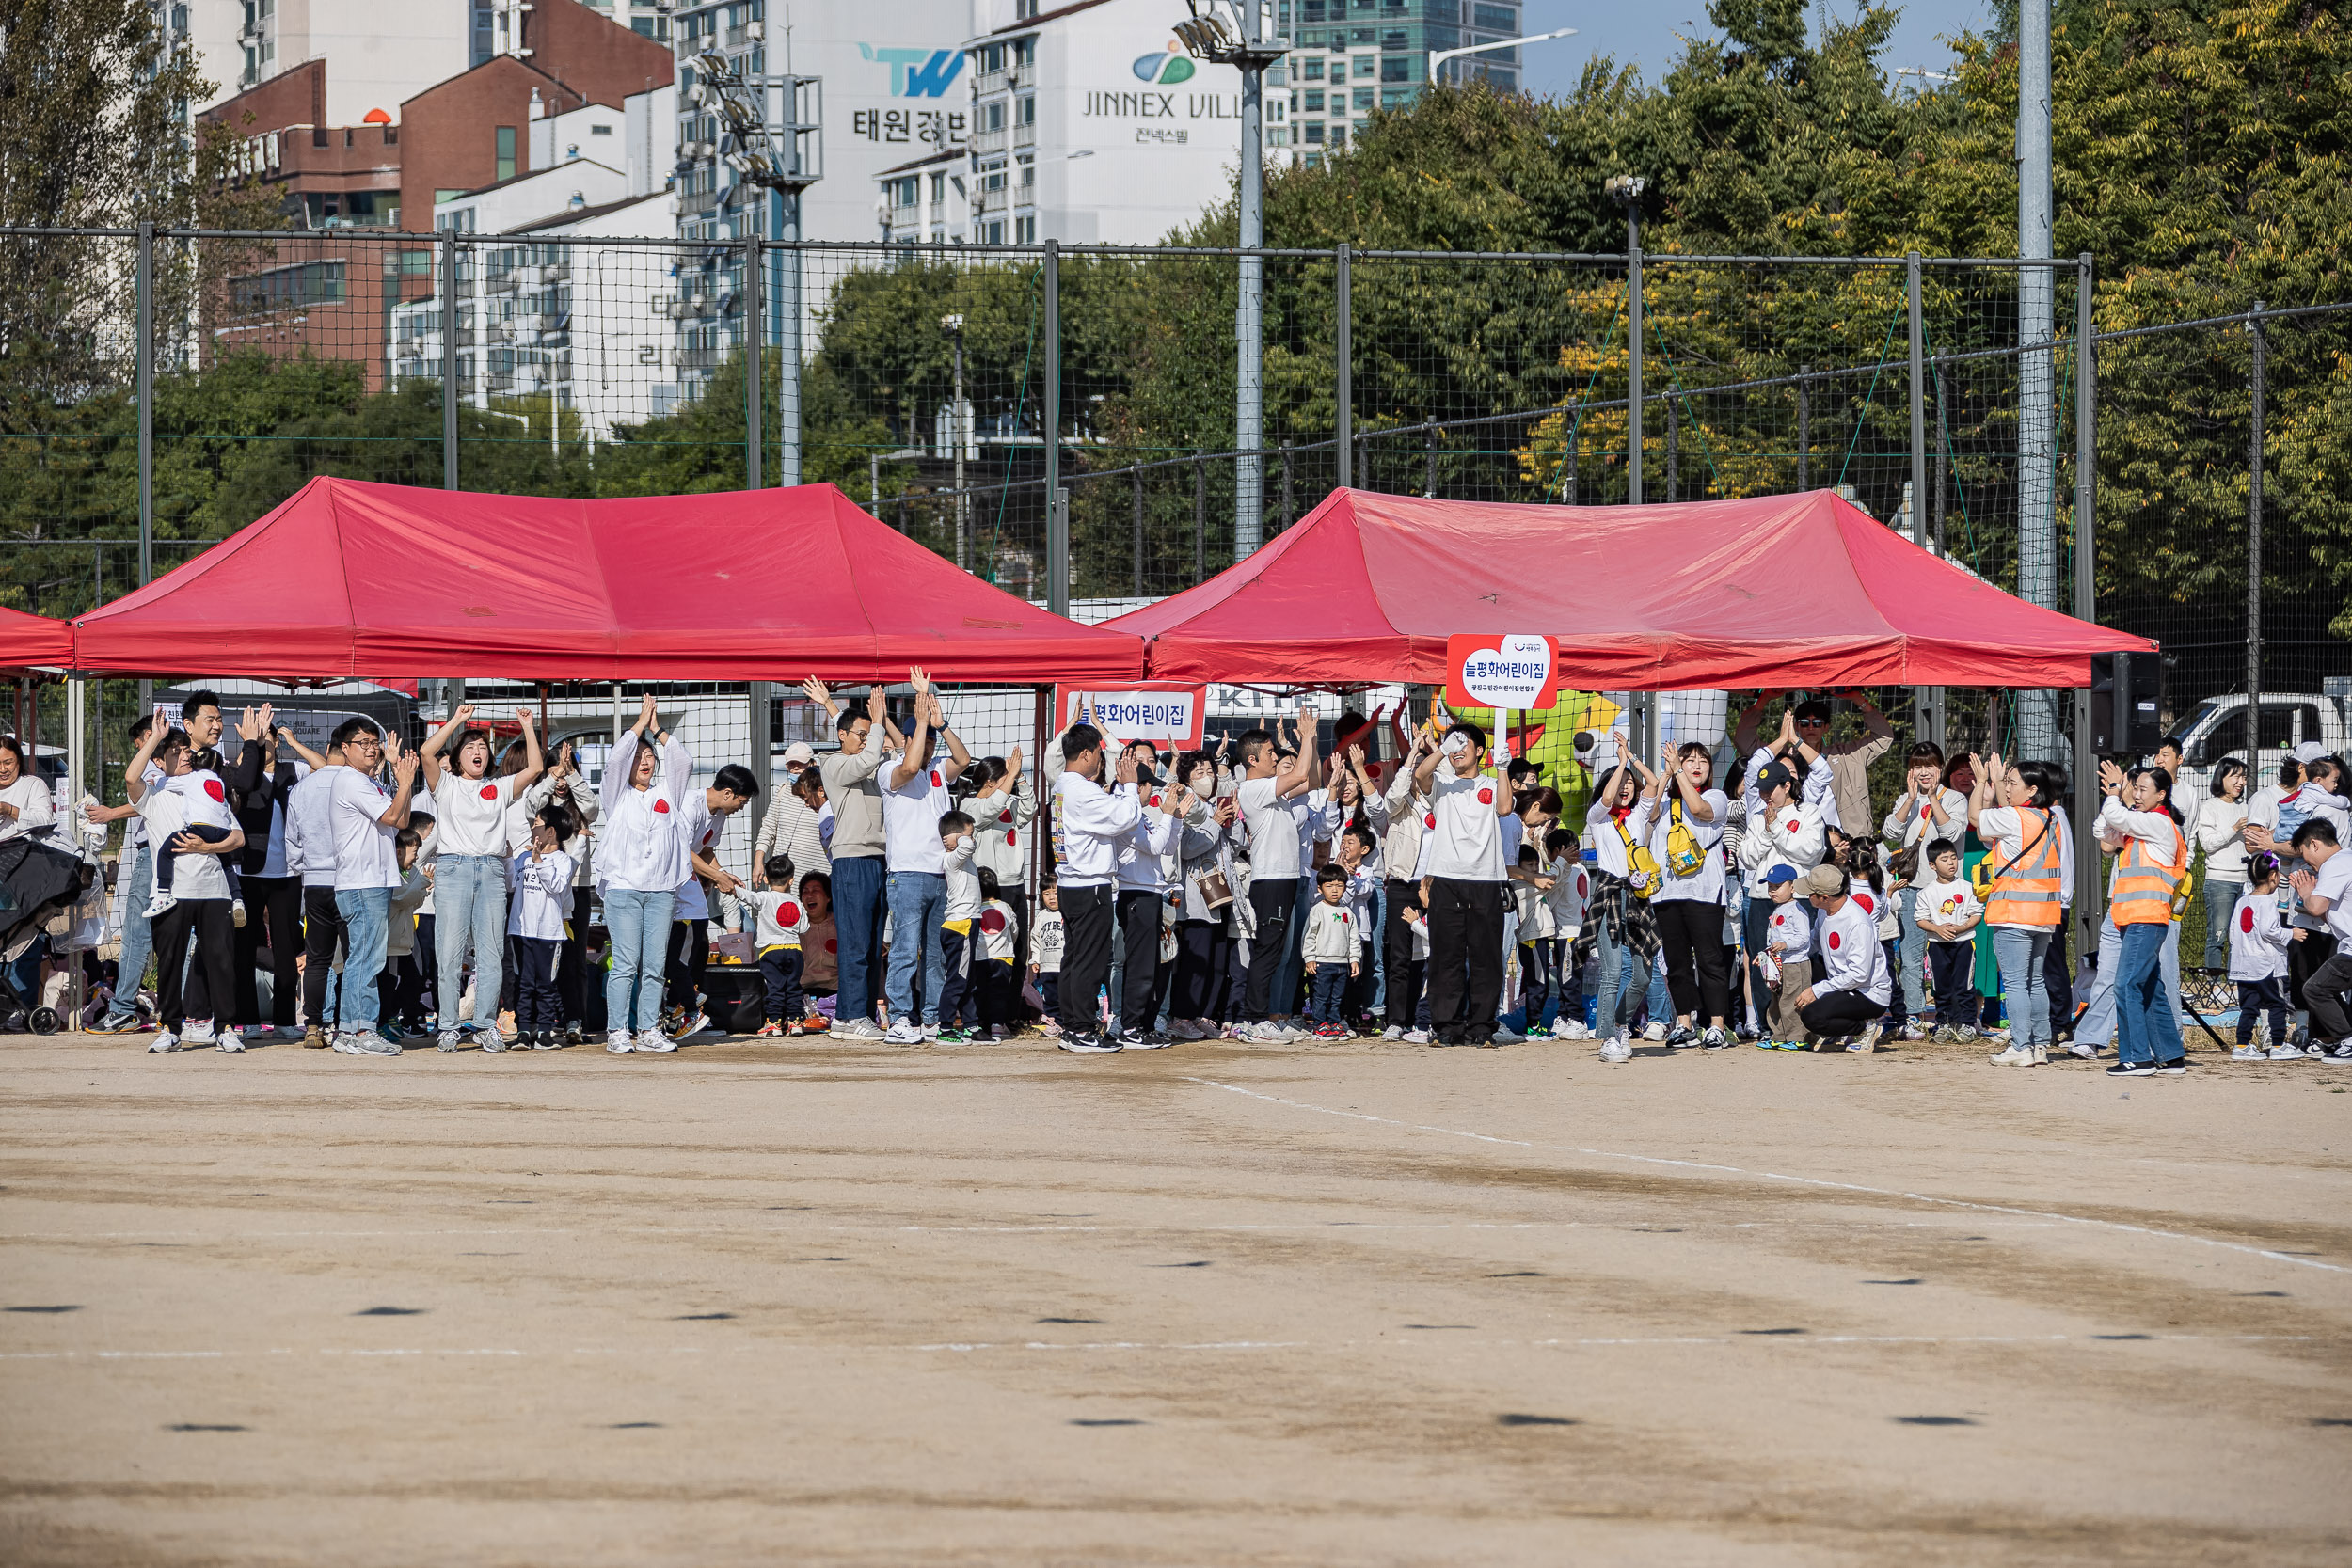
(1438, 57)
(1243, 41)
(954, 325)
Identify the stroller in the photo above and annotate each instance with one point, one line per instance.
(36, 880)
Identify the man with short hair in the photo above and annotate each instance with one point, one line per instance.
(1273, 803)
(1089, 822)
(1855, 985)
(1463, 869)
(364, 819)
(858, 860)
(311, 855)
(2326, 890)
(914, 797)
(700, 826)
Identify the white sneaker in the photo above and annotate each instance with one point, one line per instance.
(653, 1041)
(447, 1040)
(1416, 1036)
(2246, 1054)
(1913, 1032)
(230, 1041)
(904, 1032)
(618, 1041)
(1293, 1032)
(1653, 1031)
(367, 1043)
(1393, 1032)
(930, 1033)
(2041, 1055)
(162, 903)
(1505, 1035)
(1617, 1049)
(198, 1032)
(2086, 1052)
(861, 1030)
(1715, 1040)
(1865, 1042)
(2016, 1055)
(236, 913)
(163, 1042)
(1570, 1029)
(2278, 1054)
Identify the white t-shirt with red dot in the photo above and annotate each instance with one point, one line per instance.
(782, 919)
(1465, 841)
(472, 814)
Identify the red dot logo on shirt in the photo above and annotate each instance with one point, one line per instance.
(213, 788)
(2246, 921)
(1793, 824)
(1486, 797)
(1156, 801)
(937, 783)
(1429, 821)
(1342, 917)
(1008, 838)
(832, 945)
(662, 807)
(1832, 941)
(993, 921)
(788, 914)
(489, 792)
(1868, 907)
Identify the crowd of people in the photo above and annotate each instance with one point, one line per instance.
(1415, 883)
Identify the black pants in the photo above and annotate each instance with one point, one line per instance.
(2323, 994)
(1139, 926)
(1952, 970)
(322, 933)
(2304, 959)
(998, 997)
(208, 992)
(2058, 979)
(1755, 923)
(168, 859)
(1692, 934)
(536, 1007)
(403, 989)
(2261, 996)
(1396, 954)
(1202, 952)
(689, 953)
(571, 965)
(779, 968)
(957, 1000)
(1086, 955)
(427, 959)
(1464, 960)
(1840, 1014)
(1273, 900)
(273, 904)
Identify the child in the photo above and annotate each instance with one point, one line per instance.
(1947, 908)
(539, 886)
(2258, 961)
(1359, 854)
(781, 921)
(402, 983)
(192, 800)
(1571, 885)
(1786, 961)
(1417, 919)
(1537, 935)
(999, 995)
(957, 842)
(1045, 945)
(1332, 950)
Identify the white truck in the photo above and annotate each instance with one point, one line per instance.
(2215, 729)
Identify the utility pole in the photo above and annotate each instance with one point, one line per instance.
(2037, 370)
(2087, 599)
(953, 326)
(1627, 188)
(755, 428)
(1057, 498)
(1342, 375)
(145, 372)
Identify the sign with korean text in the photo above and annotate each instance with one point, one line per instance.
(1510, 669)
(1168, 715)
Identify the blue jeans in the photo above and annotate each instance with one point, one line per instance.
(1329, 988)
(918, 900)
(857, 919)
(138, 937)
(2221, 896)
(2146, 1029)
(2098, 1022)
(1615, 996)
(2024, 1000)
(640, 926)
(470, 906)
(367, 921)
(1913, 955)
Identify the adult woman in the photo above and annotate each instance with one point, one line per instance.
(1927, 810)
(2221, 826)
(1003, 808)
(470, 872)
(2155, 857)
(1686, 835)
(790, 827)
(2023, 908)
(26, 808)
(261, 782)
(641, 862)
(1204, 918)
(1618, 923)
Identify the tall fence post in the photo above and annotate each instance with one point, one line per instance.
(754, 264)
(1918, 404)
(1343, 378)
(449, 359)
(1805, 427)
(1200, 520)
(147, 403)
(2086, 594)
(1136, 473)
(1674, 451)
(1634, 362)
(760, 755)
(2254, 550)
(1057, 498)
(787, 313)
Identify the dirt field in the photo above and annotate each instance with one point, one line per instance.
(1361, 1304)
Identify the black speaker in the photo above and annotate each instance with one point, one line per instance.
(2126, 703)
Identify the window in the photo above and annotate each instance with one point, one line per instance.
(1393, 39)
(992, 58)
(1363, 100)
(505, 153)
(599, 130)
(1314, 130)
(1025, 110)
(416, 263)
(309, 283)
(1397, 68)
(1314, 106)
(1339, 135)
(1500, 19)
(1312, 11)
(1360, 35)
(992, 176)
(1311, 71)
(1026, 164)
(1024, 51)
(939, 188)
(992, 116)
(1025, 230)
(992, 234)
(1023, 9)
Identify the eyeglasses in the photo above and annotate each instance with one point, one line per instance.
(1813, 723)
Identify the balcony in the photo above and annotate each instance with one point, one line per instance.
(699, 202)
(988, 141)
(1024, 135)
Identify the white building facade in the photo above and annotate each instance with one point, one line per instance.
(382, 52)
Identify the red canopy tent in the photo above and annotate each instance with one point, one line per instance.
(33, 642)
(1788, 591)
(351, 579)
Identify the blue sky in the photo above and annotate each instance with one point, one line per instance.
(1643, 33)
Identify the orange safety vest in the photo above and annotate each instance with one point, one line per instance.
(2143, 884)
(2025, 892)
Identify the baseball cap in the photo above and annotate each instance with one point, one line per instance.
(799, 751)
(1825, 881)
(1771, 776)
(2310, 752)
(1780, 873)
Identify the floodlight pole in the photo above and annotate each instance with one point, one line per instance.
(1440, 56)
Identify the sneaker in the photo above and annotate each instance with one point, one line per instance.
(998, 1032)
(1088, 1044)
(1715, 1040)
(1913, 1032)
(162, 903)
(1654, 1031)
(236, 913)
(2343, 1052)
(2132, 1070)
(493, 1039)
(904, 1032)
(865, 1031)
(574, 1034)
(950, 1036)
(1149, 1041)
(1505, 1035)
(162, 1042)
(313, 1038)
(2016, 1055)
(2176, 1068)
(2250, 1054)
(2088, 1052)
(1682, 1036)
(1865, 1042)
(341, 1041)
(1791, 1045)
(2040, 1055)
(232, 1040)
(1617, 1049)
(447, 1040)
(1393, 1032)
(550, 1039)
(771, 1029)
(367, 1043)
(1051, 1028)
(2278, 1054)
(654, 1040)
(118, 1023)
(619, 1042)
(1414, 1036)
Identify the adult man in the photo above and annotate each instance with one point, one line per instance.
(915, 795)
(1845, 793)
(1089, 823)
(1400, 854)
(1462, 866)
(2168, 758)
(858, 861)
(2326, 891)
(310, 856)
(263, 779)
(1273, 808)
(364, 819)
(1846, 1001)
(790, 826)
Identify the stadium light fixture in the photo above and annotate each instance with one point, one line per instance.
(1440, 56)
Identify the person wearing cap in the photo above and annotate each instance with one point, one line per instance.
(1785, 961)
(788, 826)
(1845, 783)
(1847, 1002)
(1782, 831)
(2271, 824)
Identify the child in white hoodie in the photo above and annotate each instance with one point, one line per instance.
(2259, 938)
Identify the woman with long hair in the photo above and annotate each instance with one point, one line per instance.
(2139, 819)
(2220, 832)
(2023, 913)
